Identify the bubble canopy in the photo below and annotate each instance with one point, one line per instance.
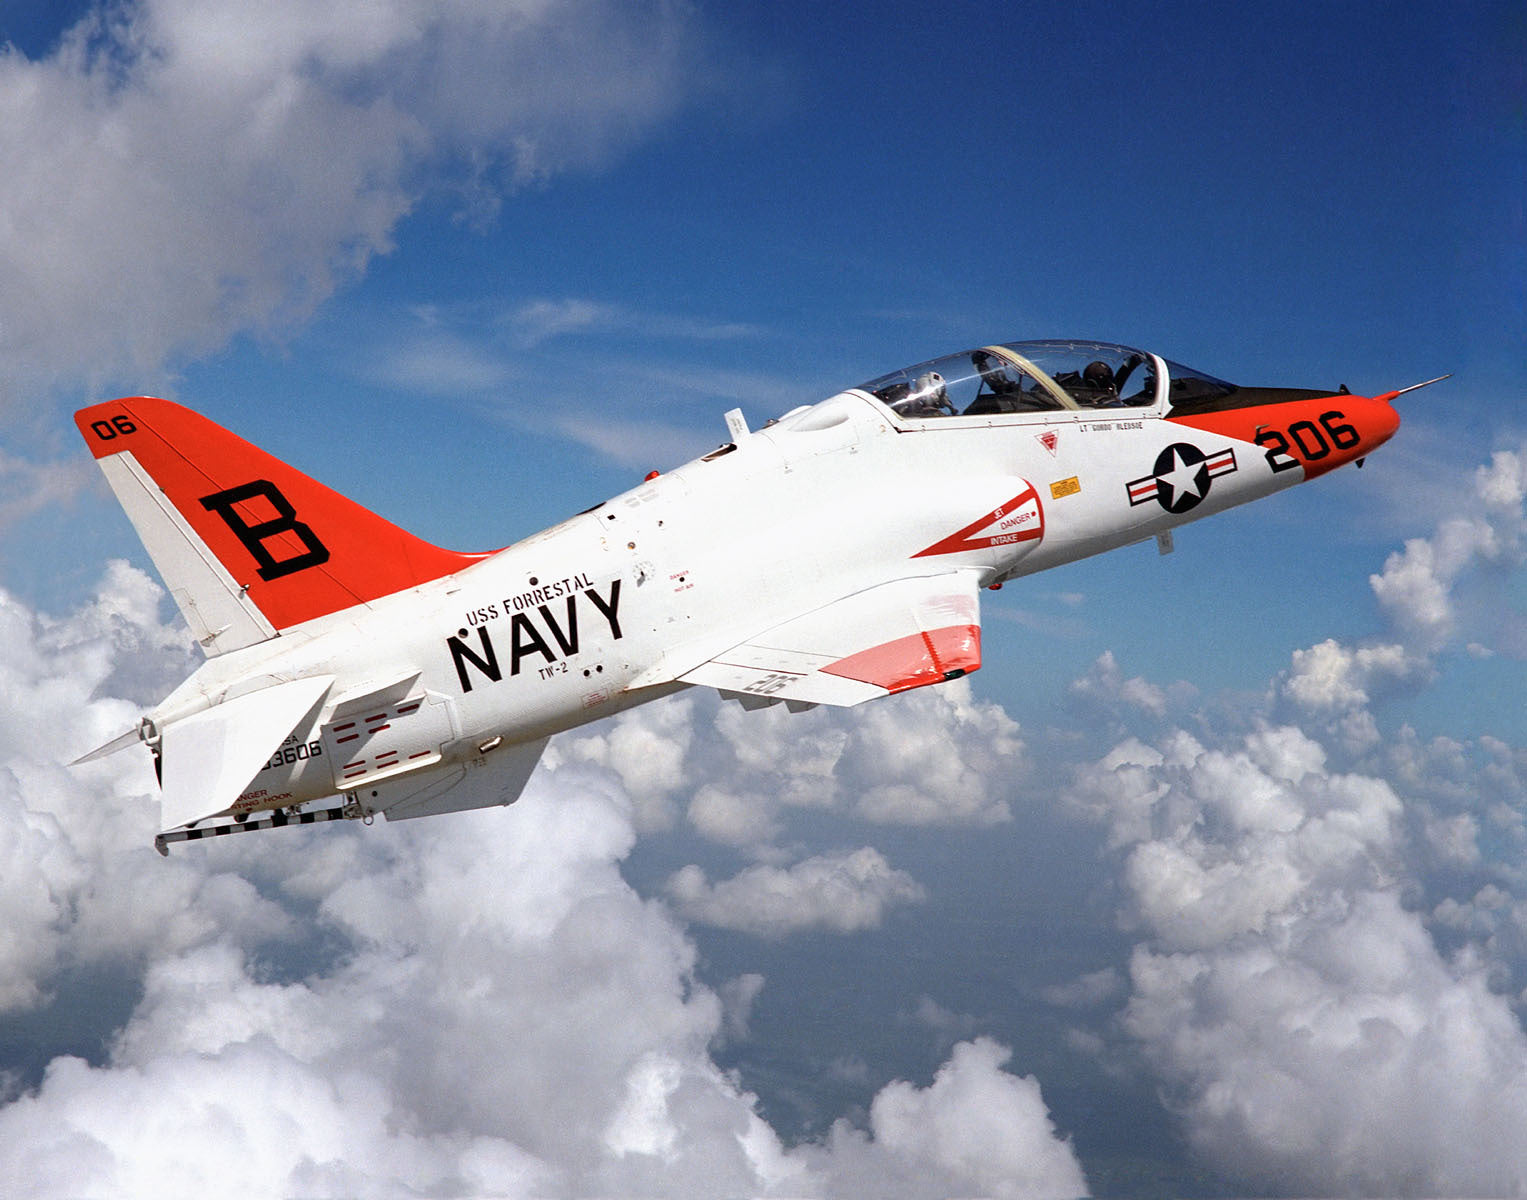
(1026, 377)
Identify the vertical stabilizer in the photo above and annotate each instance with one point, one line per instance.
(247, 545)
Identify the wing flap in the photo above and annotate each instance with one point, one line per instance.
(904, 634)
(211, 757)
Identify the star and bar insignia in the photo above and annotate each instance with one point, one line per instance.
(1181, 477)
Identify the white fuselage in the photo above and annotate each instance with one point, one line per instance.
(610, 608)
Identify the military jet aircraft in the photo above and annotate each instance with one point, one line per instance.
(833, 556)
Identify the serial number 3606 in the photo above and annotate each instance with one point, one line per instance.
(288, 755)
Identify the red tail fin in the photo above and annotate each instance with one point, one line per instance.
(293, 547)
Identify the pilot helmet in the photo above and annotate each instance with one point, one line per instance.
(1099, 375)
(929, 388)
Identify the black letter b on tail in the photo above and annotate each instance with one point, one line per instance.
(255, 536)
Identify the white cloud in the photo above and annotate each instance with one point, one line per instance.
(500, 1013)
(1086, 991)
(931, 757)
(844, 893)
(542, 320)
(646, 747)
(77, 841)
(1105, 683)
(29, 487)
(180, 171)
(935, 756)
(1312, 1034)
(1416, 586)
(1344, 1055)
(222, 1085)
(733, 820)
(1422, 591)
(1330, 677)
(974, 1127)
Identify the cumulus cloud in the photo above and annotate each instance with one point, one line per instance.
(934, 756)
(1331, 677)
(75, 841)
(647, 748)
(1417, 585)
(1330, 938)
(732, 819)
(939, 757)
(1105, 685)
(1346, 1055)
(840, 892)
(975, 1127)
(1430, 594)
(180, 171)
(1312, 1033)
(930, 757)
(477, 1004)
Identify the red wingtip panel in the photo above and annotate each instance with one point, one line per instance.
(916, 660)
(301, 549)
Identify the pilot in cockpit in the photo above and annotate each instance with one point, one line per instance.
(927, 398)
(1003, 391)
(1098, 385)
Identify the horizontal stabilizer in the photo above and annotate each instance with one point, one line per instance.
(121, 742)
(886, 639)
(212, 757)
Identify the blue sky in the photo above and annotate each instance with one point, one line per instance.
(481, 273)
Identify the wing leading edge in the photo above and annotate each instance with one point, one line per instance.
(900, 635)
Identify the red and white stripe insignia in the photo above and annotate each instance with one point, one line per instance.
(1141, 490)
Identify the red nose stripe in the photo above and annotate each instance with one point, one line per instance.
(1318, 435)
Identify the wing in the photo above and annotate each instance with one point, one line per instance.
(886, 639)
